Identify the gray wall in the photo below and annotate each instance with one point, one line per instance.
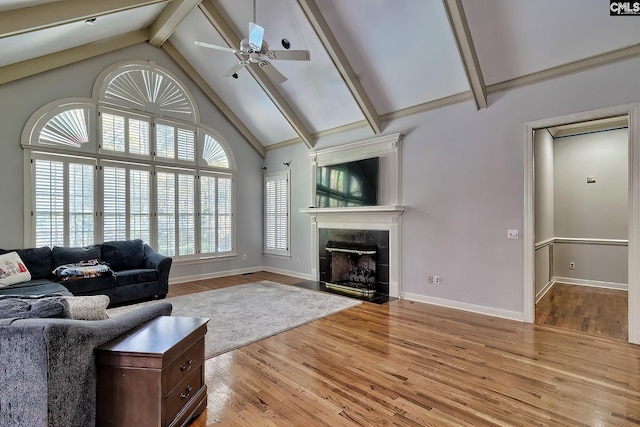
(463, 180)
(595, 211)
(21, 98)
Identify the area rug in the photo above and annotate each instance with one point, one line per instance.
(243, 314)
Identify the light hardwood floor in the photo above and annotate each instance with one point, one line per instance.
(413, 364)
(582, 308)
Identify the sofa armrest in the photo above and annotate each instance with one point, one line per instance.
(49, 374)
(162, 263)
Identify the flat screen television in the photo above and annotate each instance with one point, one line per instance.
(347, 184)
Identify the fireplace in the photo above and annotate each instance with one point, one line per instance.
(354, 261)
(351, 267)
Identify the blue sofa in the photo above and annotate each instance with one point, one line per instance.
(139, 272)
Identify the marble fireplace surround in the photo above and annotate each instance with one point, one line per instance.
(387, 216)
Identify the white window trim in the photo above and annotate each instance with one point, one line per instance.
(278, 176)
(92, 152)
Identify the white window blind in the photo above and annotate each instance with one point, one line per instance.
(208, 213)
(174, 141)
(126, 201)
(216, 213)
(123, 133)
(63, 206)
(225, 215)
(166, 195)
(276, 213)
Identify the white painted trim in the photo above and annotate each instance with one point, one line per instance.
(544, 290)
(589, 241)
(632, 111)
(183, 279)
(590, 283)
(545, 243)
(634, 224)
(303, 276)
(479, 309)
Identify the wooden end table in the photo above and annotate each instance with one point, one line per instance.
(153, 375)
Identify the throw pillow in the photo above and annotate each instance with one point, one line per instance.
(12, 270)
(92, 307)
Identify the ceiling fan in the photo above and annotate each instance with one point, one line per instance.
(255, 50)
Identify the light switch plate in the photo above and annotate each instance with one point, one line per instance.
(512, 234)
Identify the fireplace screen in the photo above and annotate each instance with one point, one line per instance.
(351, 267)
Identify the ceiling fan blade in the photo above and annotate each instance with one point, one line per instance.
(231, 71)
(216, 47)
(256, 34)
(272, 72)
(290, 55)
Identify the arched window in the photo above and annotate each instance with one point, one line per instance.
(131, 162)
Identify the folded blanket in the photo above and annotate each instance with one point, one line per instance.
(82, 270)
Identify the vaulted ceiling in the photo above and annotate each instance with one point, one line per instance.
(371, 60)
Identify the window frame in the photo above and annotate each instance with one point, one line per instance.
(94, 153)
(277, 177)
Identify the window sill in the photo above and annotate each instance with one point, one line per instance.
(204, 259)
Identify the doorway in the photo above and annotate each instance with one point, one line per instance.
(631, 113)
(581, 214)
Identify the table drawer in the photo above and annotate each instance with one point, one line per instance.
(182, 367)
(182, 395)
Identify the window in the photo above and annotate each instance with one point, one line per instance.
(126, 203)
(63, 201)
(276, 208)
(136, 165)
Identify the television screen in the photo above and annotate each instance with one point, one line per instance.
(347, 184)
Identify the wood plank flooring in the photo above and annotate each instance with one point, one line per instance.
(588, 309)
(413, 364)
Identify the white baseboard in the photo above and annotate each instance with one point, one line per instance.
(182, 279)
(480, 309)
(593, 283)
(288, 273)
(544, 290)
(213, 275)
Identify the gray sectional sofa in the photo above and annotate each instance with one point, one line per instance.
(48, 374)
(139, 272)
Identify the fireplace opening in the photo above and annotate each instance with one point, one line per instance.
(351, 267)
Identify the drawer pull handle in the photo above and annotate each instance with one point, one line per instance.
(186, 393)
(186, 366)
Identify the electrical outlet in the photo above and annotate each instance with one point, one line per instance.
(244, 257)
(436, 280)
(430, 280)
(298, 260)
(572, 265)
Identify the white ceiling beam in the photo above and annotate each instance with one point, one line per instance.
(213, 96)
(462, 35)
(169, 19)
(341, 62)
(231, 38)
(44, 63)
(47, 15)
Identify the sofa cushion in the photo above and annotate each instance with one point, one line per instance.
(38, 261)
(132, 277)
(89, 285)
(35, 287)
(13, 270)
(123, 254)
(62, 255)
(30, 307)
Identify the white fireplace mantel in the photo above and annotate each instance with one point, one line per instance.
(386, 216)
